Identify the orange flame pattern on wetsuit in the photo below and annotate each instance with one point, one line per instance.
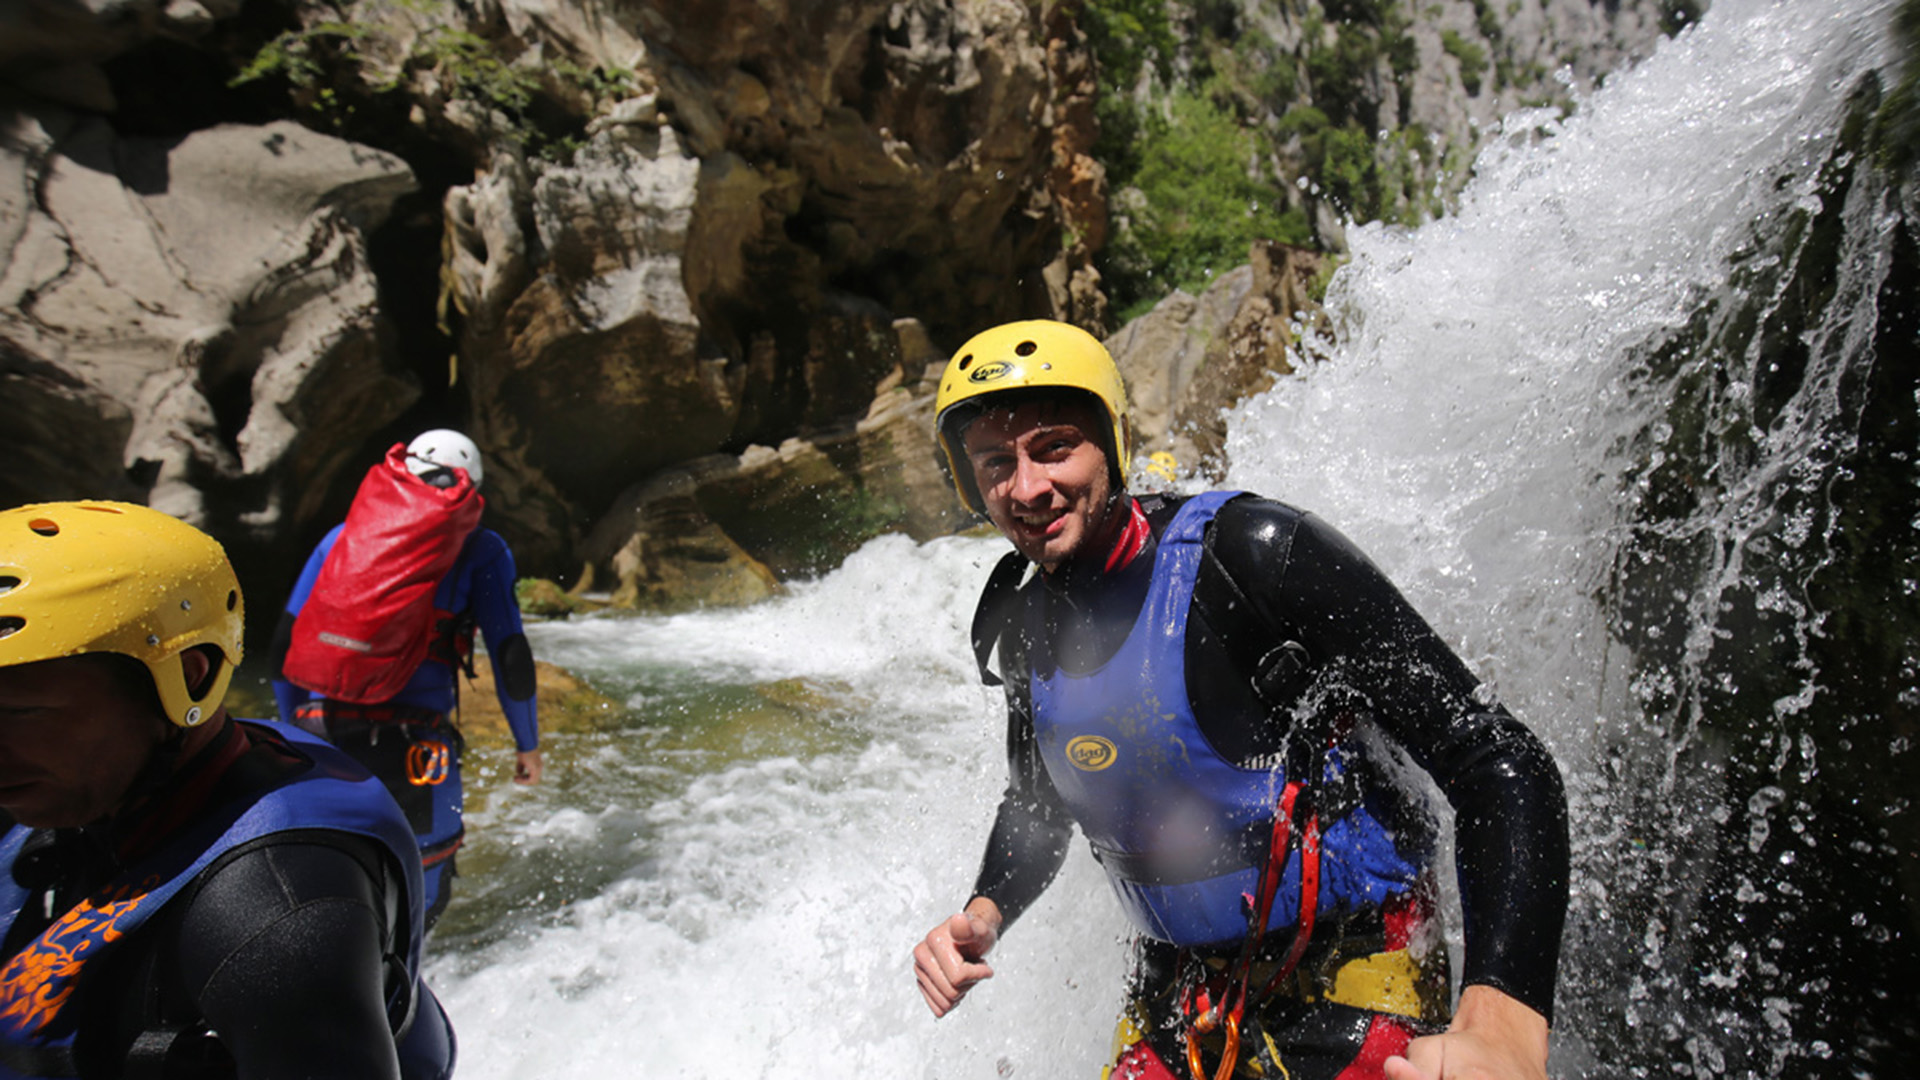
(37, 983)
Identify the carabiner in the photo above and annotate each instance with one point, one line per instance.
(429, 762)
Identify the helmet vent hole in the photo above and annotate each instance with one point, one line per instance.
(8, 583)
(11, 625)
(965, 362)
(1025, 348)
(233, 599)
(44, 527)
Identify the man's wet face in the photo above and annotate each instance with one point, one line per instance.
(72, 740)
(1043, 476)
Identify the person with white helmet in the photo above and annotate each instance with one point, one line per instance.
(1222, 694)
(434, 455)
(380, 626)
(163, 866)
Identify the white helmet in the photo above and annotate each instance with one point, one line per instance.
(444, 448)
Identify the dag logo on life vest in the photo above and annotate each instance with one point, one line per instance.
(998, 369)
(1091, 753)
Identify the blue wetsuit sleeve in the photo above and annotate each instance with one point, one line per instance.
(497, 613)
(285, 694)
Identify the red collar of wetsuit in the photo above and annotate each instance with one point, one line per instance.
(1132, 539)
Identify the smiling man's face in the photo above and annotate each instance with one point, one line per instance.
(1043, 477)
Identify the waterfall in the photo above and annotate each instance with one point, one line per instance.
(1605, 425)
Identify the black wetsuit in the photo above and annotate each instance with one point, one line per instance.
(290, 946)
(1277, 575)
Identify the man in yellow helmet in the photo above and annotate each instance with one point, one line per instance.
(1219, 691)
(183, 894)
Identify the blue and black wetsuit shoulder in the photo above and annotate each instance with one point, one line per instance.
(1282, 577)
(321, 903)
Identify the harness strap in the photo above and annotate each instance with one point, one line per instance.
(39, 1060)
(1229, 1011)
(151, 1053)
(1276, 673)
(993, 617)
(434, 854)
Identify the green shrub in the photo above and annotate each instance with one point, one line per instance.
(1126, 36)
(1472, 57)
(1350, 173)
(1677, 15)
(327, 65)
(1204, 203)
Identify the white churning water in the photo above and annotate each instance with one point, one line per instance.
(742, 902)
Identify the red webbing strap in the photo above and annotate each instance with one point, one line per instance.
(1309, 902)
(1230, 1010)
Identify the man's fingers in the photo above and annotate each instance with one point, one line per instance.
(1425, 1060)
(935, 1000)
(966, 939)
(942, 965)
(926, 965)
(1399, 1068)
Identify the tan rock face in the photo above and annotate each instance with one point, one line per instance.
(726, 529)
(1191, 358)
(175, 315)
(692, 282)
(720, 265)
(566, 705)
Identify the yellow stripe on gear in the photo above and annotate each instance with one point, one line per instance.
(1387, 982)
(1125, 1033)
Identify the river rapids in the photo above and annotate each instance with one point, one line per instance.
(1564, 419)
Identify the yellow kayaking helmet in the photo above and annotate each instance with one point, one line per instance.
(105, 577)
(1034, 355)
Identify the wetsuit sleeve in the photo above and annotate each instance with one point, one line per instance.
(281, 950)
(1031, 830)
(286, 694)
(1510, 814)
(497, 612)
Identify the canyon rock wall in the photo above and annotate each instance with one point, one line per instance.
(679, 268)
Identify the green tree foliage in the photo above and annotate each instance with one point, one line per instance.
(1205, 199)
(1200, 108)
(1677, 15)
(1130, 38)
(329, 64)
(1472, 57)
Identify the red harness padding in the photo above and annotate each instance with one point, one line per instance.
(369, 619)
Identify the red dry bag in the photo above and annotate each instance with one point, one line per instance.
(368, 619)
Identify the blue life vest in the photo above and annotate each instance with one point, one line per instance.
(38, 982)
(1181, 831)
